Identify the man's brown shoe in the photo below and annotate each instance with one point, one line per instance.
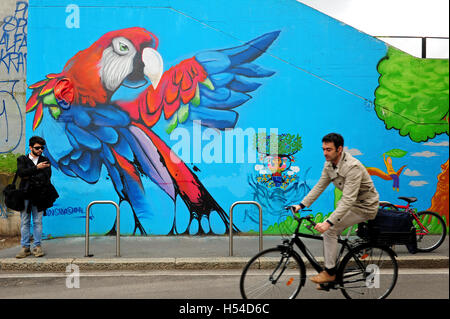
(38, 252)
(24, 252)
(322, 278)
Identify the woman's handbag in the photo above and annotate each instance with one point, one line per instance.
(14, 198)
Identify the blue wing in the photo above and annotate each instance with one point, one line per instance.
(83, 140)
(233, 75)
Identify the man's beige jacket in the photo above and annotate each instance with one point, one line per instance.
(358, 192)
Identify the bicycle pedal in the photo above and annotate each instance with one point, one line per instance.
(323, 287)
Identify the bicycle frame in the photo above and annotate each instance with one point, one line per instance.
(409, 209)
(313, 261)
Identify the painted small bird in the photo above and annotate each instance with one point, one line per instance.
(87, 129)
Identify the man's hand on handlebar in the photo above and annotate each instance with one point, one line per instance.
(296, 208)
(322, 227)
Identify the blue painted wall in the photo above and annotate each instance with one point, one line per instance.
(325, 80)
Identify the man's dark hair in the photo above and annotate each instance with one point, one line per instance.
(334, 138)
(36, 140)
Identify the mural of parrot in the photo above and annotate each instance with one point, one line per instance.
(86, 129)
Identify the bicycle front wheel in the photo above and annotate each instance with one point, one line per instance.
(430, 230)
(368, 272)
(275, 273)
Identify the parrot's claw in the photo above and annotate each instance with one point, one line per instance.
(138, 225)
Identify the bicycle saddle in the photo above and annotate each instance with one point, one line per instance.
(409, 199)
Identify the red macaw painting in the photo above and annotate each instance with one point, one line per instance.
(96, 131)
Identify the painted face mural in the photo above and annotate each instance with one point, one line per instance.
(277, 170)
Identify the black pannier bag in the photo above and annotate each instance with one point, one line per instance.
(390, 227)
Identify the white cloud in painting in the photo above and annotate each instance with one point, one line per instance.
(444, 143)
(353, 151)
(293, 170)
(259, 167)
(409, 172)
(425, 154)
(417, 183)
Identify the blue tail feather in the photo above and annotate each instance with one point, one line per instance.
(122, 147)
(107, 155)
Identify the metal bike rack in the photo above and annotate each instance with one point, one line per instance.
(231, 224)
(86, 253)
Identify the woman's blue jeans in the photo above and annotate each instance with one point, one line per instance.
(25, 223)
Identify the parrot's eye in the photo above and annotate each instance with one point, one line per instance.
(123, 47)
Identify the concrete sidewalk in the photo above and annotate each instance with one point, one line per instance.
(180, 252)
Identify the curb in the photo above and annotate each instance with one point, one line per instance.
(96, 264)
(424, 262)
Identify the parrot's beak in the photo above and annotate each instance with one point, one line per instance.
(153, 65)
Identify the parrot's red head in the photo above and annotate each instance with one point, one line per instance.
(119, 57)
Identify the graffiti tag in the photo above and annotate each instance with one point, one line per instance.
(67, 211)
(11, 120)
(13, 41)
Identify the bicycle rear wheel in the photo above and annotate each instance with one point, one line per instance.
(275, 273)
(430, 230)
(368, 272)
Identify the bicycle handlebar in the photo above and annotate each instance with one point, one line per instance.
(309, 218)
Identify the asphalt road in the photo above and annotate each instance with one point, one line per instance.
(210, 284)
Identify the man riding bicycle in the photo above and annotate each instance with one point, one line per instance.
(359, 200)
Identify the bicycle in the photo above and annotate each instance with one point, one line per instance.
(367, 270)
(430, 226)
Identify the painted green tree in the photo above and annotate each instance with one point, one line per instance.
(283, 144)
(412, 95)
